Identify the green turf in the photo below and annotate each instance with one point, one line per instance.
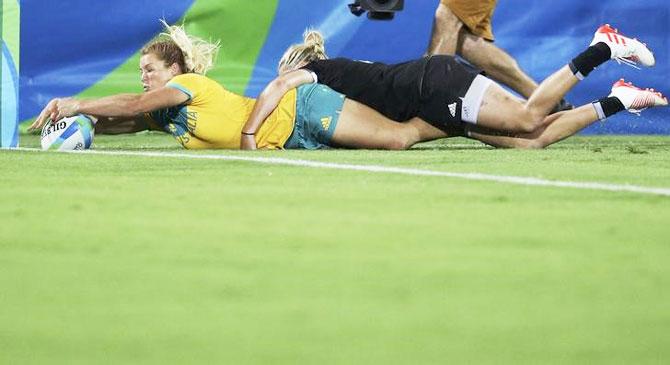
(117, 259)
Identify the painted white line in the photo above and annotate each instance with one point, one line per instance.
(517, 180)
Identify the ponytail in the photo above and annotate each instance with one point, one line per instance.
(312, 49)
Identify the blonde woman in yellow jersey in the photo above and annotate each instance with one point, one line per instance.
(200, 113)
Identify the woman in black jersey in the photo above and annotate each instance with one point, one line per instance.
(446, 96)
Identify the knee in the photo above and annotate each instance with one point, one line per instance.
(442, 13)
(506, 65)
(517, 126)
(529, 144)
(400, 143)
(529, 120)
(399, 139)
(525, 126)
(446, 19)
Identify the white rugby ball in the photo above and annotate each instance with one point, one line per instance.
(67, 134)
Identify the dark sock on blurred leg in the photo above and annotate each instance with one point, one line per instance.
(608, 106)
(594, 56)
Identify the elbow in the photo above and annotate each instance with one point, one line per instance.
(441, 13)
(280, 86)
(274, 91)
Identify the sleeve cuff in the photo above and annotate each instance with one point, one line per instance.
(181, 88)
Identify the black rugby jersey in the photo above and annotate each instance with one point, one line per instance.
(393, 90)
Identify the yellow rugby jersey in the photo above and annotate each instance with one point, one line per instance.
(213, 117)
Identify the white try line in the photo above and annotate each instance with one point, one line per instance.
(517, 180)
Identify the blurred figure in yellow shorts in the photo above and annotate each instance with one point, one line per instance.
(463, 27)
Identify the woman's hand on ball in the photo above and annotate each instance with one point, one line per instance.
(67, 107)
(44, 116)
(56, 109)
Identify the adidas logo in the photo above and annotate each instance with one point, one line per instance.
(465, 111)
(325, 122)
(452, 109)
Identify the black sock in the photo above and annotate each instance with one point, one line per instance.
(608, 106)
(593, 57)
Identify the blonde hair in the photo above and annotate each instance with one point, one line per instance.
(192, 54)
(312, 49)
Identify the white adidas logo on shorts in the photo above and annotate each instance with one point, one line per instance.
(452, 109)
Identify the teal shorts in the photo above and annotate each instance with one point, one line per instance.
(318, 109)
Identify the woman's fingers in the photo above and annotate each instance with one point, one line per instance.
(45, 115)
(56, 109)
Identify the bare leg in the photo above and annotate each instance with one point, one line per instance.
(497, 63)
(501, 110)
(446, 29)
(557, 127)
(360, 126)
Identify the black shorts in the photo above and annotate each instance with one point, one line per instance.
(445, 84)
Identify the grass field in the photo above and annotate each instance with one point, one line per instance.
(139, 259)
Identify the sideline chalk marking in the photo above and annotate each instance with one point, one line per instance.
(517, 180)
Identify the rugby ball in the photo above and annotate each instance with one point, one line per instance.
(67, 134)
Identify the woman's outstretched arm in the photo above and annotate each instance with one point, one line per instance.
(121, 105)
(268, 101)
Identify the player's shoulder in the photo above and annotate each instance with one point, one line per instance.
(191, 79)
(193, 83)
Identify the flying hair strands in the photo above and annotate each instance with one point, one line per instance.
(199, 55)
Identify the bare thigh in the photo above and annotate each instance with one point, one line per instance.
(360, 126)
(502, 110)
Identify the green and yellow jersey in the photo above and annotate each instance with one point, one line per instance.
(213, 117)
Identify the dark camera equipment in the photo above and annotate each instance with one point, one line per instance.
(377, 9)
